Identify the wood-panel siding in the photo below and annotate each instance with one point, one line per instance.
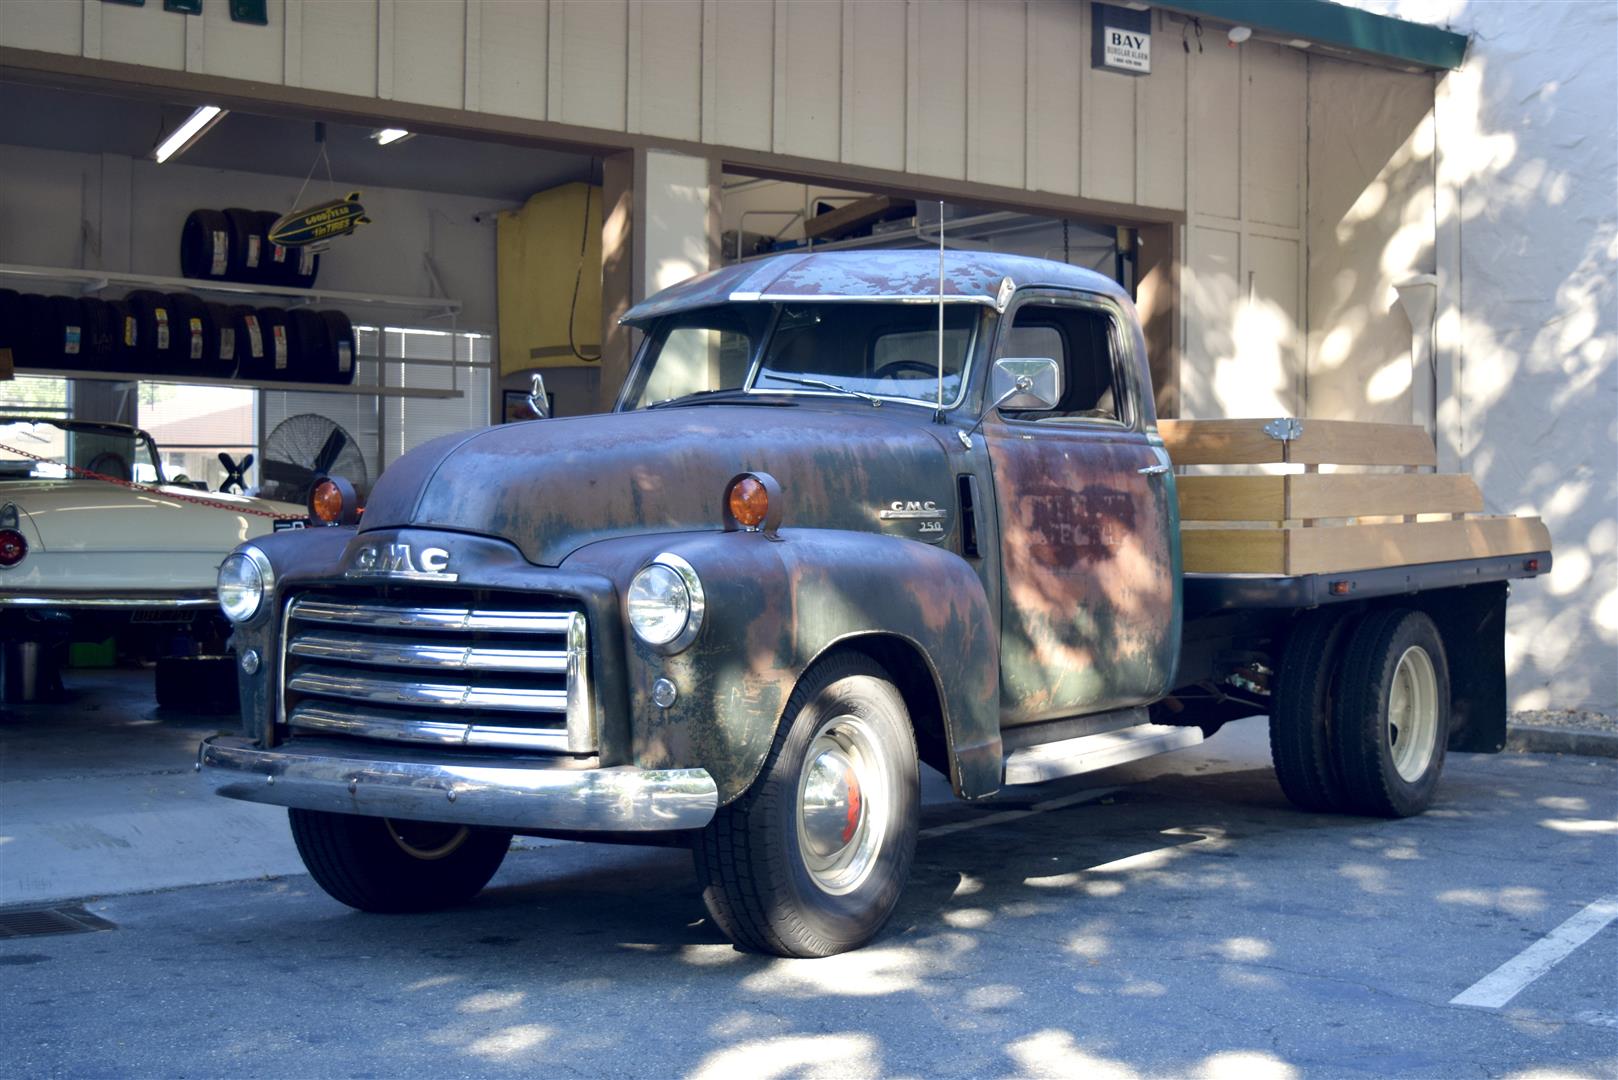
(993, 91)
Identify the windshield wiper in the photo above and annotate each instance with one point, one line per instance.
(696, 397)
(875, 401)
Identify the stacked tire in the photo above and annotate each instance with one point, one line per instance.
(176, 334)
(234, 245)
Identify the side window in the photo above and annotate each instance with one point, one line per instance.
(1081, 340)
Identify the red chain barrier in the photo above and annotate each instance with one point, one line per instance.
(211, 503)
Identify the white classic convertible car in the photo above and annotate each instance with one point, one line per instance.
(88, 553)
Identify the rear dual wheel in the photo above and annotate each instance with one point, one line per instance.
(1361, 714)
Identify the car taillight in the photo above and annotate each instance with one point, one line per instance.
(13, 547)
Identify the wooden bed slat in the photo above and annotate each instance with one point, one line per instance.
(1234, 551)
(1323, 442)
(1233, 498)
(1325, 495)
(1336, 548)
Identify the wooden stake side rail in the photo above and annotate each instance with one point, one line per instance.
(1316, 523)
(1323, 442)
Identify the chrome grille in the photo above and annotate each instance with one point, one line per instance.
(479, 675)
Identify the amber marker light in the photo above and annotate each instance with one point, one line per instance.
(332, 502)
(327, 502)
(749, 502)
(13, 547)
(753, 504)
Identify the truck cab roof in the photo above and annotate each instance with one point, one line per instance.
(975, 277)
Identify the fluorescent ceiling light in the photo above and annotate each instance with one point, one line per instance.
(388, 136)
(195, 127)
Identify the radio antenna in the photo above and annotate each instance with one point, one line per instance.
(938, 415)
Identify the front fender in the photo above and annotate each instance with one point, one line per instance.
(773, 607)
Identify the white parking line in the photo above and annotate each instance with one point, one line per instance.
(1013, 815)
(1508, 980)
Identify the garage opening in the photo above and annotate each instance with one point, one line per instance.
(131, 446)
(763, 216)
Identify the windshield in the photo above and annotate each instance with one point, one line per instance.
(864, 349)
(66, 445)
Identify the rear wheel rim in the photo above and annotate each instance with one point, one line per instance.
(1412, 714)
(844, 804)
(426, 840)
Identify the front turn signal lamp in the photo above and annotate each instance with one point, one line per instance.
(753, 503)
(332, 501)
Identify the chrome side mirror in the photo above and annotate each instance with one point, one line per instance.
(1019, 382)
(1044, 383)
(537, 400)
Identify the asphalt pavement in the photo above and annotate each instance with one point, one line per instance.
(1170, 918)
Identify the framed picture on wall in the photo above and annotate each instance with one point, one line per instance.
(515, 406)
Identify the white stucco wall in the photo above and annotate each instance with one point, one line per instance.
(1527, 240)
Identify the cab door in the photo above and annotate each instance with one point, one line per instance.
(1089, 543)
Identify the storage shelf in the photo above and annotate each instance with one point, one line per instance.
(93, 281)
(360, 389)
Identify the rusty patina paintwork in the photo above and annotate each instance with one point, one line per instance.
(574, 508)
(553, 486)
(774, 607)
(1089, 548)
(1089, 572)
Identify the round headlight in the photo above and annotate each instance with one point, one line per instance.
(244, 578)
(665, 603)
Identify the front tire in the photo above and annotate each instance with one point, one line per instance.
(380, 865)
(1393, 724)
(811, 860)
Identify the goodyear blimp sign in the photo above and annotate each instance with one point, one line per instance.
(315, 226)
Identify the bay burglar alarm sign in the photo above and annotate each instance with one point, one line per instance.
(1120, 39)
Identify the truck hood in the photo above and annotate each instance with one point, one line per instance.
(91, 515)
(552, 486)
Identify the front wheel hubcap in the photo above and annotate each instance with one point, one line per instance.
(1412, 730)
(843, 804)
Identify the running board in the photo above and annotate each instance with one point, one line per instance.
(1087, 753)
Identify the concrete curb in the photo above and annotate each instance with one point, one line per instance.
(1531, 739)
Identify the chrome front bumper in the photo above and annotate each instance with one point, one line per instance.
(503, 795)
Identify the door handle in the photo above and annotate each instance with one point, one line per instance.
(1153, 470)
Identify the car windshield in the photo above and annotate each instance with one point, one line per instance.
(863, 349)
(43, 449)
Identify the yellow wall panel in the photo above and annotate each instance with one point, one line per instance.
(538, 264)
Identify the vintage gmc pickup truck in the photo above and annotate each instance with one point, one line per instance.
(852, 513)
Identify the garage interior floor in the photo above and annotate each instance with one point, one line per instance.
(98, 796)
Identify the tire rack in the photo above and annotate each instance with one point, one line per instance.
(95, 281)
